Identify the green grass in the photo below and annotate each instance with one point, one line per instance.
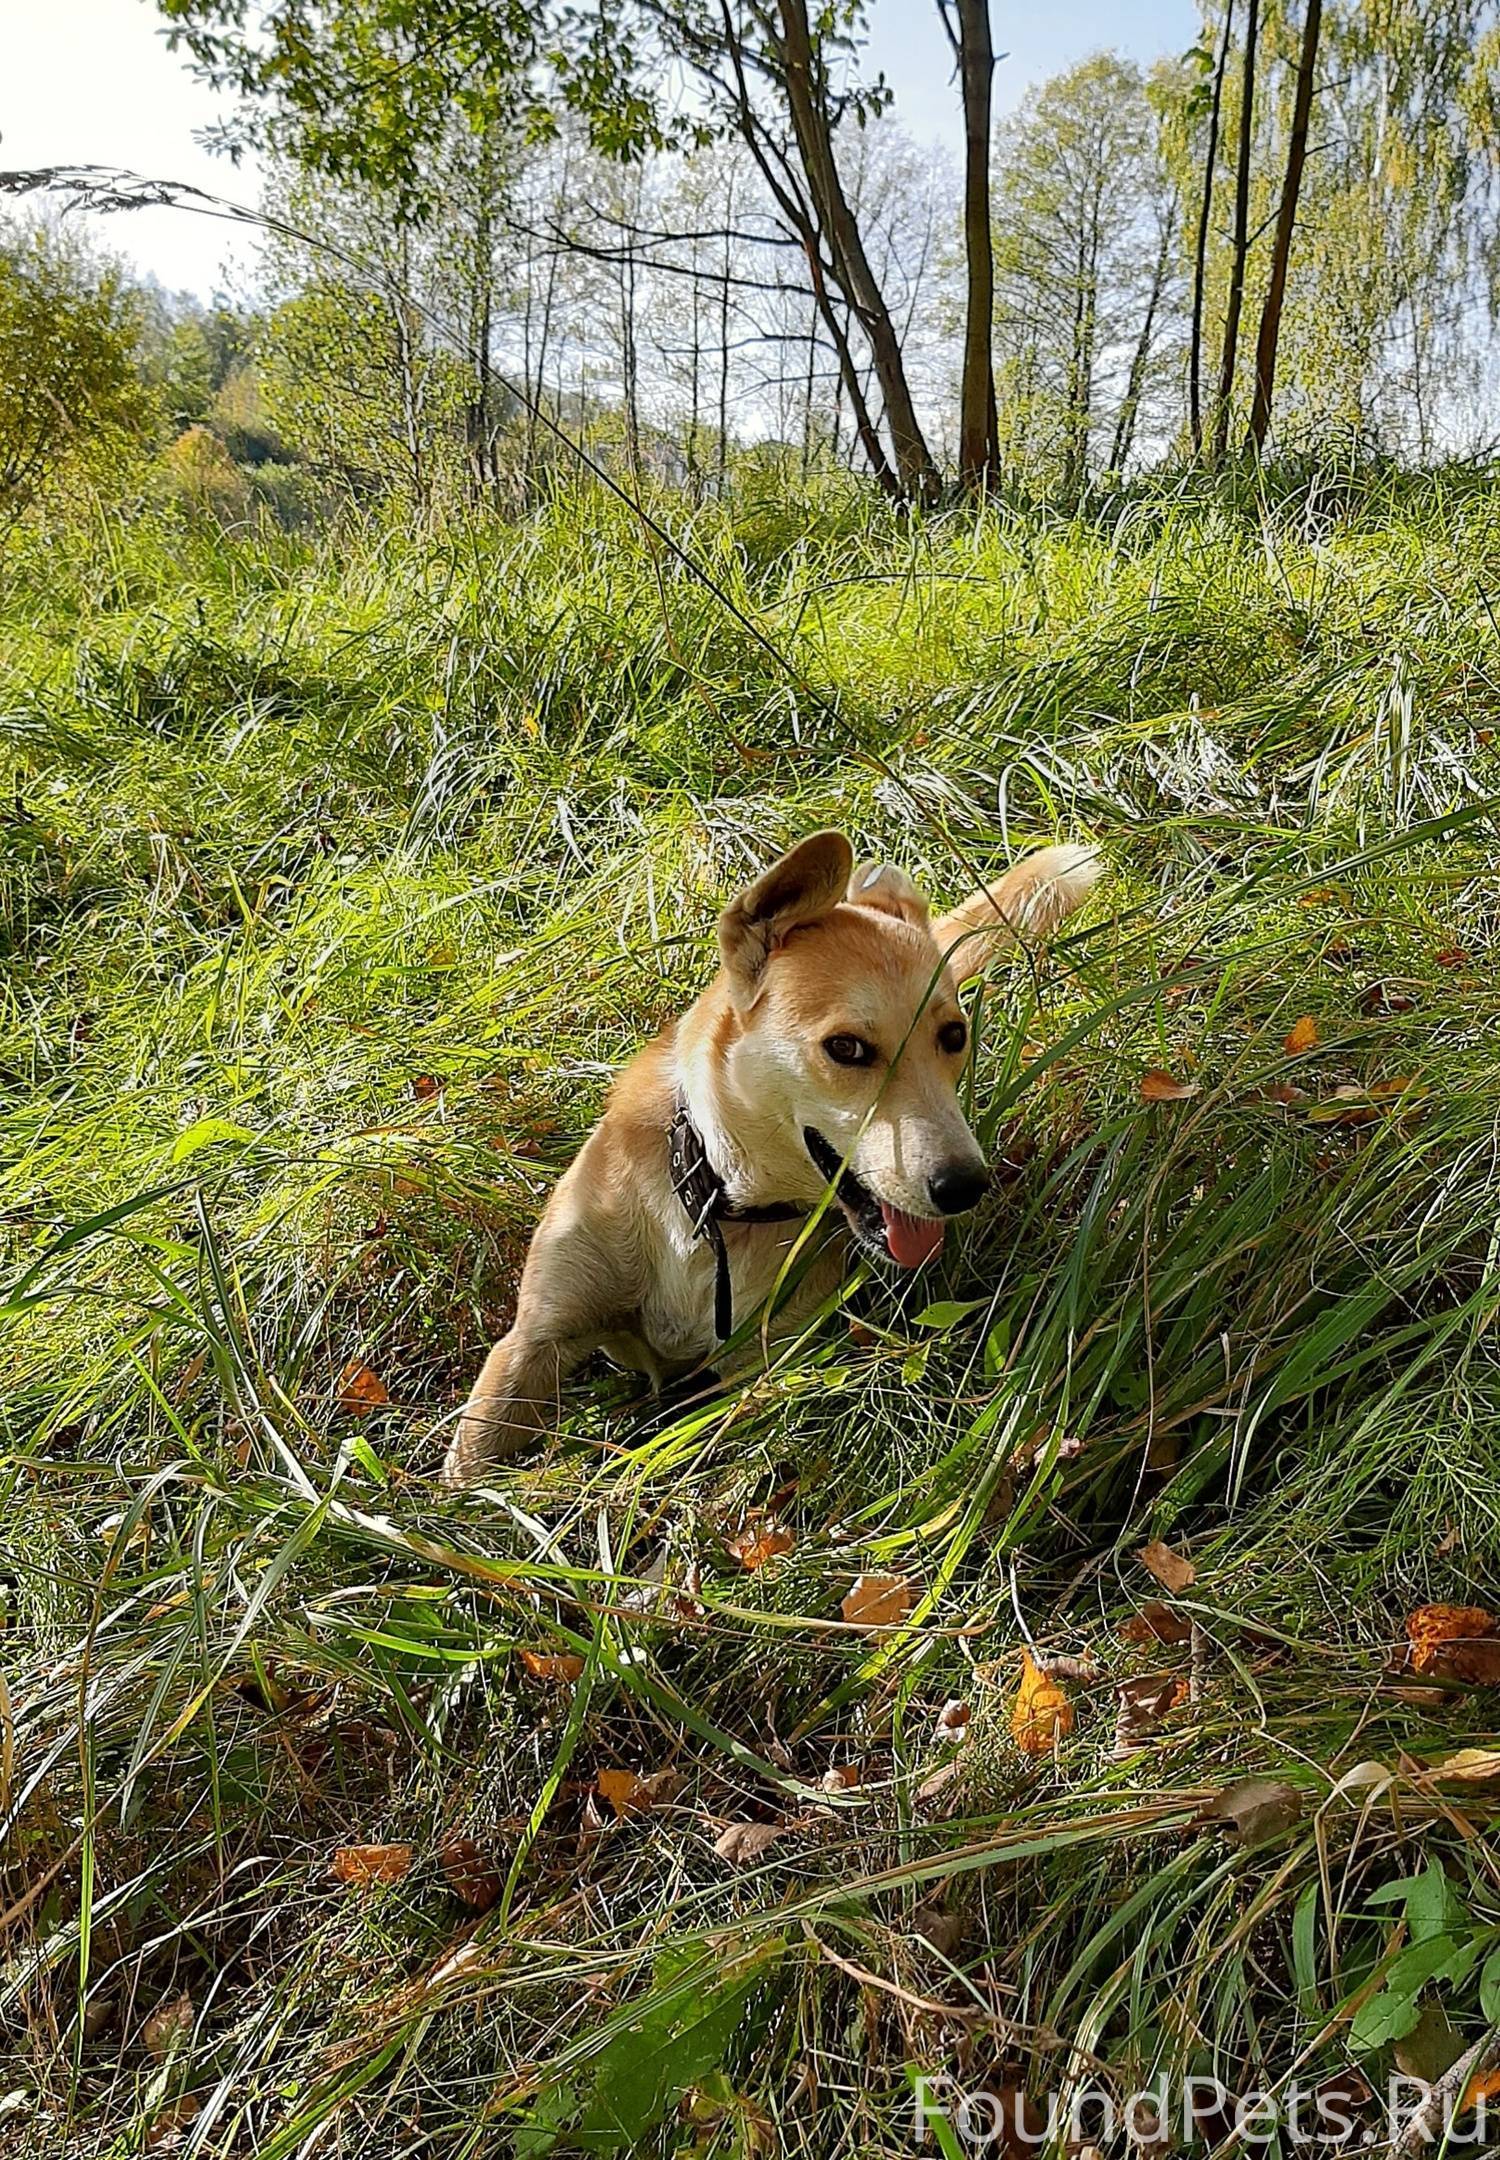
(337, 876)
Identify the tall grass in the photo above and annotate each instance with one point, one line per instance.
(338, 875)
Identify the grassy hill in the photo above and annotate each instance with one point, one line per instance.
(337, 875)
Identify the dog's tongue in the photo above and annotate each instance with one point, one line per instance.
(911, 1238)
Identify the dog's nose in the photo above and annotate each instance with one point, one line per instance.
(957, 1187)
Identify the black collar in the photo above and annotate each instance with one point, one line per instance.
(700, 1188)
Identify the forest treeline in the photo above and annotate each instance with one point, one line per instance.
(693, 237)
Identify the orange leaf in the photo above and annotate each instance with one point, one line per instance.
(1304, 1036)
(843, 1777)
(1042, 1714)
(1455, 1642)
(1156, 1623)
(879, 1601)
(424, 1087)
(470, 1875)
(551, 1665)
(1158, 1086)
(629, 1793)
(1482, 2086)
(1171, 1569)
(1452, 956)
(759, 1540)
(366, 1864)
(360, 1389)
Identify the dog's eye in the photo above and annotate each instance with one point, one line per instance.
(849, 1050)
(953, 1036)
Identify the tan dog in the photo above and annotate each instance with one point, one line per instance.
(827, 1052)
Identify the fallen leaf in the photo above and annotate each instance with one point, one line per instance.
(1381, 998)
(424, 1087)
(842, 1777)
(1171, 1569)
(1144, 1703)
(1471, 1765)
(1255, 1809)
(363, 1865)
(360, 1389)
(470, 1874)
(168, 2026)
(170, 2127)
(1452, 956)
(1455, 1642)
(1042, 1714)
(551, 1664)
(630, 1793)
(744, 1842)
(1304, 1036)
(1158, 1086)
(952, 1722)
(1482, 2086)
(760, 1539)
(1156, 1623)
(878, 1601)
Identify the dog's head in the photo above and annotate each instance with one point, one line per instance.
(847, 1041)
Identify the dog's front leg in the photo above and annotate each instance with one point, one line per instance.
(581, 1279)
(515, 1398)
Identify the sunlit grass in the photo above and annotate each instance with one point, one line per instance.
(337, 877)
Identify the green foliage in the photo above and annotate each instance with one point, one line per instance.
(69, 379)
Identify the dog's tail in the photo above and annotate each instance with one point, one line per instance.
(1028, 903)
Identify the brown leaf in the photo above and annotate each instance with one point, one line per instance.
(1255, 1809)
(363, 1865)
(471, 1876)
(168, 2026)
(842, 1777)
(1042, 1714)
(1455, 1642)
(424, 1087)
(551, 1664)
(1144, 1703)
(360, 1389)
(1172, 1570)
(744, 1842)
(1156, 1623)
(630, 1793)
(1452, 956)
(1304, 1036)
(1158, 1086)
(759, 1539)
(879, 1601)
(170, 2127)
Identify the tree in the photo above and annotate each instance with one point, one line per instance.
(69, 360)
(968, 25)
(1086, 229)
(1286, 221)
(1200, 247)
(1240, 245)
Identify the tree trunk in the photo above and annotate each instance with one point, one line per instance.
(1140, 359)
(1200, 254)
(808, 109)
(978, 425)
(1236, 300)
(1286, 219)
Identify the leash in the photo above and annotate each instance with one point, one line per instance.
(707, 1205)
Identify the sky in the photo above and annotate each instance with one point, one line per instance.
(92, 82)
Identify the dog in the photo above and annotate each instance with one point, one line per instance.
(819, 1069)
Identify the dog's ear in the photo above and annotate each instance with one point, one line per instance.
(889, 891)
(807, 883)
(1031, 899)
